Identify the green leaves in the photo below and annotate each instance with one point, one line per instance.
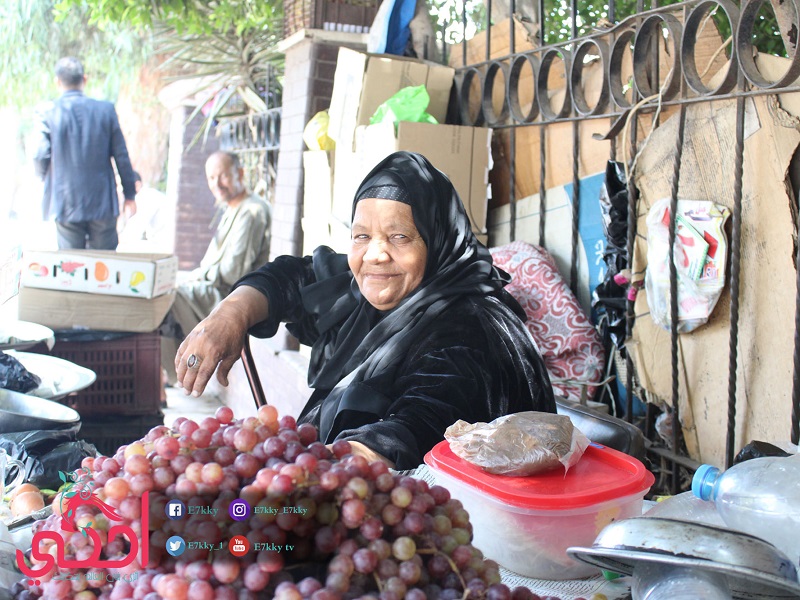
(36, 35)
(184, 16)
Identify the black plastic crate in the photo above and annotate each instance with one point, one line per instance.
(128, 370)
(107, 433)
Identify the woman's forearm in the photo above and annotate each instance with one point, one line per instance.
(246, 305)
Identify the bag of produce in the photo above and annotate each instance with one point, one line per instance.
(520, 444)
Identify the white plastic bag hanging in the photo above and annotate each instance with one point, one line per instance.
(701, 251)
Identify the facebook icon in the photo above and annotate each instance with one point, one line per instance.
(175, 509)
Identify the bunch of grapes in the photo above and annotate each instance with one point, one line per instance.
(346, 528)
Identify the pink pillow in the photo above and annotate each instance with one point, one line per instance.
(570, 345)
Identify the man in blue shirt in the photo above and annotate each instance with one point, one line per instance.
(78, 138)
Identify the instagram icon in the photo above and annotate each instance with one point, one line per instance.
(239, 510)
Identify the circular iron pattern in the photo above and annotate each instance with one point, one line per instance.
(615, 84)
(689, 43)
(649, 32)
(466, 83)
(273, 129)
(513, 88)
(487, 105)
(576, 77)
(744, 48)
(548, 114)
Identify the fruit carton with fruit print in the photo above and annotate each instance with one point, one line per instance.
(100, 272)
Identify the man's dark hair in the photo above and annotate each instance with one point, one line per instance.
(136, 176)
(69, 71)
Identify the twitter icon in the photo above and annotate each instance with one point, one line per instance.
(176, 545)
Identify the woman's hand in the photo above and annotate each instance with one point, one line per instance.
(359, 449)
(216, 343)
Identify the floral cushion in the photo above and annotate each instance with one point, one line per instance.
(569, 344)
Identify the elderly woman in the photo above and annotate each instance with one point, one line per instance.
(411, 331)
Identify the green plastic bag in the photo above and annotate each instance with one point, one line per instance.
(409, 104)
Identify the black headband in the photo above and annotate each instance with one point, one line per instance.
(385, 192)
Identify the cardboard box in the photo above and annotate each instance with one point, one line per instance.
(363, 82)
(100, 272)
(316, 232)
(461, 153)
(317, 184)
(77, 310)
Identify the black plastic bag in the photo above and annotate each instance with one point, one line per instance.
(15, 377)
(45, 453)
(609, 297)
(757, 449)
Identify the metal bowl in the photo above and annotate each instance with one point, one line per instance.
(20, 412)
(20, 335)
(755, 569)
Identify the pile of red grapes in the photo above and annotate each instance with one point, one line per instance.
(346, 529)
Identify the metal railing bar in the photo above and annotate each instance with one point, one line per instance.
(795, 425)
(673, 289)
(736, 238)
(576, 207)
(542, 186)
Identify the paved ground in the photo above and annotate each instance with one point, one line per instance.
(181, 405)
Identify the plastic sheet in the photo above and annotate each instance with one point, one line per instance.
(758, 449)
(609, 296)
(315, 133)
(409, 104)
(700, 256)
(520, 444)
(15, 377)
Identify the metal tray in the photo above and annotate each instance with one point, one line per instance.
(19, 335)
(20, 412)
(755, 569)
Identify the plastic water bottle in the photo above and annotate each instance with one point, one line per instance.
(654, 581)
(687, 507)
(760, 496)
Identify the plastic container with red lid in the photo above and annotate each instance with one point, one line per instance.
(526, 524)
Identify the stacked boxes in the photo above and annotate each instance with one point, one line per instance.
(119, 299)
(362, 82)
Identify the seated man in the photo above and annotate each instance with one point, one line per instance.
(240, 245)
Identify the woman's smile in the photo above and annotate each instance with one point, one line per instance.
(387, 254)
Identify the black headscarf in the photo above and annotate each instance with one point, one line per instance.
(370, 342)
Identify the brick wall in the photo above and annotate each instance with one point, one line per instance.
(187, 183)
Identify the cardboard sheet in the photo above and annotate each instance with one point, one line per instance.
(767, 281)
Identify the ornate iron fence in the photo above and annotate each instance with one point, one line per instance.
(651, 64)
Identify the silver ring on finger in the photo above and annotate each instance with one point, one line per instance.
(193, 362)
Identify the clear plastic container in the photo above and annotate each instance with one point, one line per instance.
(654, 581)
(526, 524)
(760, 496)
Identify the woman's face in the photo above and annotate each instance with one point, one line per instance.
(387, 254)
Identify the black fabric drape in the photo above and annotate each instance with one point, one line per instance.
(359, 354)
